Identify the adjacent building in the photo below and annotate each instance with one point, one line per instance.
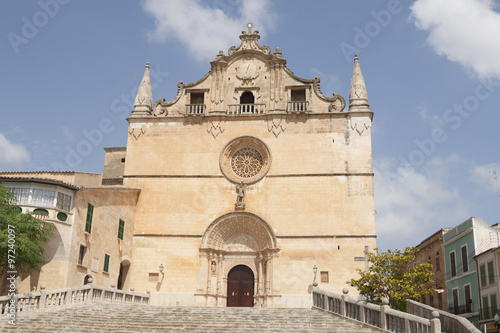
(461, 245)
(93, 227)
(431, 251)
(489, 287)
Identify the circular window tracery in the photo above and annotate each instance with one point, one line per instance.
(246, 162)
(245, 159)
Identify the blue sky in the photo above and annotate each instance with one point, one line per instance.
(70, 71)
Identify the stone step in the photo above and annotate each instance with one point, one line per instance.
(129, 318)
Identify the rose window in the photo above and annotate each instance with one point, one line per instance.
(246, 162)
(245, 159)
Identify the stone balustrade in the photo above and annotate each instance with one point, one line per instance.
(298, 106)
(237, 109)
(449, 321)
(379, 316)
(195, 109)
(46, 300)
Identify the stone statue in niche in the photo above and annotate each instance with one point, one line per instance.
(213, 267)
(240, 196)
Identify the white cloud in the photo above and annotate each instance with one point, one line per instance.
(429, 117)
(465, 31)
(486, 176)
(413, 209)
(12, 155)
(206, 29)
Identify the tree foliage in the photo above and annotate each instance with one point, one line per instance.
(21, 237)
(392, 276)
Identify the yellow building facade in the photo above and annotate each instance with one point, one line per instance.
(249, 171)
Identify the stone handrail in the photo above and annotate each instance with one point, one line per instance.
(246, 109)
(382, 317)
(46, 300)
(195, 109)
(298, 106)
(449, 322)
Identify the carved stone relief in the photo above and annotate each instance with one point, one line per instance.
(360, 125)
(241, 243)
(136, 132)
(247, 71)
(240, 196)
(216, 128)
(276, 125)
(160, 110)
(213, 267)
(238, 231)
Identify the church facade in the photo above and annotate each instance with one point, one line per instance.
(251, 185)
(250, 177)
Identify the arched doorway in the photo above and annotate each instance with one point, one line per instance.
(243, 244)
(122, 276)
(240, 286)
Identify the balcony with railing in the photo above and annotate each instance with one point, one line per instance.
(298, 106)
(195, 109)
(461, 309)
(249, 109)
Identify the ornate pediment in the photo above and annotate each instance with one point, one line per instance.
(249, 41)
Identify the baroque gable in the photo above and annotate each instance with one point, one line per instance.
(249, 80)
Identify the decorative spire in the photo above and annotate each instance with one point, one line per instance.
(143, 104)
(358, 99)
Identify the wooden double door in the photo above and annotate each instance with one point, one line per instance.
(240, 286)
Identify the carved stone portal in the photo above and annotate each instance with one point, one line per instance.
(238, 239)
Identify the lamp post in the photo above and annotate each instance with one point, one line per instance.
(161, 267)
(496, 318)
(315, 270)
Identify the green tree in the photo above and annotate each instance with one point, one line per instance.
(392, 275)
(21, 237)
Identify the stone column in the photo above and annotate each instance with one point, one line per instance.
(224, 286)
(209, 273)
(259, 276)
(268, 275)
(219, 276)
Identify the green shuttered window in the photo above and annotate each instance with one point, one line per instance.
(482, 275)
(88, 222)
(121, 229)
(106, 263)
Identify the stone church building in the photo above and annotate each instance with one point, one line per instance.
(244, 190)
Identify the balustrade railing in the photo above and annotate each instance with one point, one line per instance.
(246, 109)
(449, 321)
(379, 316)
(195, 109)
(44, 300)
(298, 106)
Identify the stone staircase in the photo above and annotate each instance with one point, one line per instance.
(98, 317)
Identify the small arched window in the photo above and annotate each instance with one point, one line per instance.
(247, 98)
